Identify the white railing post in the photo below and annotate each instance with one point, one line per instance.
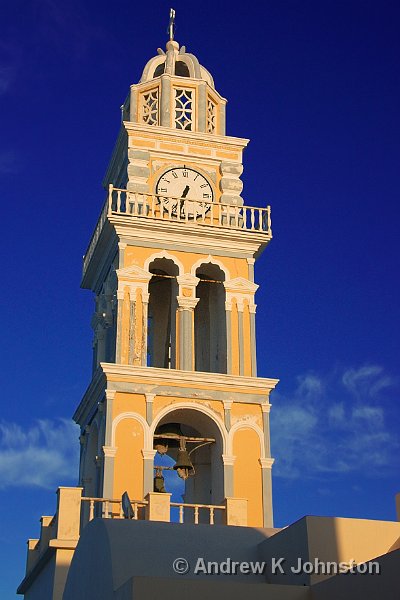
(110, 193)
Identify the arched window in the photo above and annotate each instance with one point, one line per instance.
(210, 320)
(163, 289)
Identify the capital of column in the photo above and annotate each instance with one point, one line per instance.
(250, 261)
(148, 454)
(187, 303)
(228, 460)
(110, 394)
(120, 293)
(228, 306)
(252, 308)
(150, 397)
(227, 404)
(109, 451)
(266, 407)
(266, 463)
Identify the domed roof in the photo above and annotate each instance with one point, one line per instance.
(175, 61)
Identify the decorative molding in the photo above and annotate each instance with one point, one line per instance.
(164, 254)
(186, 303)
(134, 273)
(109, 451)
(149, 454)
(266, 463)
(214, 261)
(228, 460)
(136, 417)
(246, 425)
(241, 285)
(193, 405)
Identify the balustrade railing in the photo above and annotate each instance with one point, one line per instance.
(181, 210)
(112, 509)
(196, 508)
(109, 509)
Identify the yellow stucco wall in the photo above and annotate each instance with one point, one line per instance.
(128, 465)
(247, 473)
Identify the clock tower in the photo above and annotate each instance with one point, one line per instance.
(171, 264)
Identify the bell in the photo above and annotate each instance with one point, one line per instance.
(161, 444)
(159, 484)
(183, 465)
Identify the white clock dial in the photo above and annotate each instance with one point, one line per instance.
(187, 184)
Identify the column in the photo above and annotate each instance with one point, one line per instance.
(145, 308)
(148, 471)
(108, 450)
(266, 468)
(165, 101)
(186, 308)
(132, 310)
(149, 407)
(228, 461)
(228, 316)
(120, 299)
(240, 307)
(253, 341)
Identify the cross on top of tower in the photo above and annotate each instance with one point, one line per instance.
(171, 26)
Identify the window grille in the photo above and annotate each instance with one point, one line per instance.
(184, 111)
(211, 116)
(150, 107)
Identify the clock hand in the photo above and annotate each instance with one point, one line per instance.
(185, 192)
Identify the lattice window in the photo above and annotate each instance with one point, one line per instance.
(184, 110)
(211, 116)
(150, 107)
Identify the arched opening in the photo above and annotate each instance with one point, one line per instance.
(181, 69)
(163, 290)
(210, 320)
(206, 485)
(159, 70)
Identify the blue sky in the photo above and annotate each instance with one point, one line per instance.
(315, 86)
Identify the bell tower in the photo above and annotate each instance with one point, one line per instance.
(171, 265)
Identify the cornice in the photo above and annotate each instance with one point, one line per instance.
(164, 376)
(186, 137)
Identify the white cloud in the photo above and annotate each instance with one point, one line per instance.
(44, 455)
(322, 429)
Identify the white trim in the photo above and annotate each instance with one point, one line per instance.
(246, 425)
(193, 406)
(131, 415)
(167, 255)
(212, 260)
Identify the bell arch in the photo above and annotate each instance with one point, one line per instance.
(207, 484)
(210, 320)
(162, 307)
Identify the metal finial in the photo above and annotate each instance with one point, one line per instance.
(171, 26)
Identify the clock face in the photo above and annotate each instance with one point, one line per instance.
(184, 183)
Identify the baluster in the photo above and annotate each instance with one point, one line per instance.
(244, 217)
(260, 219)
(106, 510)
(91, 510)
(153, 204)
(196, 515)
(170, 208)
(220, 214)
(186, 205)
(237, 216)
(118, 201)
(181, 513)
(211, 515)
(204, 211)
(121, 512)
(110, 192)
(269, 219)
(135, 511)
(252, 218)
